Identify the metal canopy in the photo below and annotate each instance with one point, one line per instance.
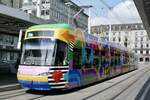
(12, 25)
(143, 7)
(12, 20)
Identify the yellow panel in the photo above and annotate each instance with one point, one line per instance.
(61, 34)
(32, 78)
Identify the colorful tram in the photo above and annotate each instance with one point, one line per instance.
(56, 56)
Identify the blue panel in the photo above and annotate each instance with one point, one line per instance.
(74, 77)
(35, 85)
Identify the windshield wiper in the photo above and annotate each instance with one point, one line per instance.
(46, 56)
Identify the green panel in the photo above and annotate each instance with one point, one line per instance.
(66, 26)
(78, 44)
(70, 54)
(88, 78)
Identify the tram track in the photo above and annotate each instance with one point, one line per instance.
(16, 96)
(10, 95)
(16, 93)
(142, 75)
(11, 92)
(121, 81)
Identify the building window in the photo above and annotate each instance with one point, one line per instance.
(141, 52)
(141, 59)
(147, 51)
(135, 45)
(114, 33)
(126, 39)
(47, 12)
(147, 45)
(146, 59)
(43, 2)
(119, 39)
(26, 11)
(141, 45)
(136, 26)
(142, 26)
(119, 27)
(114, 39)
(107, 33)
(141, 38)
(42, 12)
(125, 44)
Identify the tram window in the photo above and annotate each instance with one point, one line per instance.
(39, 33)
(103, 52)
(103, 61)
(116, 57)
(88, 58)
(96, 52)
(61, 54)
(77, 58)
(100, 60)
(118, 61)
(96, 59)
(88, 54)
(96, 62)
(112, 61)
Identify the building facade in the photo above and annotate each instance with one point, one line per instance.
(58, 10)
(8, 53)
(12, 3)
(133, 36)
(8, 42)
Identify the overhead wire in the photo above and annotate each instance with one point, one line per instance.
(91, 9)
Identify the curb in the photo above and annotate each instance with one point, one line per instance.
(10, 87)
(143, 92)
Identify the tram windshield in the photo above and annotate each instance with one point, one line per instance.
(42, 51)
(37, 52)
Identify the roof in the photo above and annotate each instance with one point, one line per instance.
(66, 26)
(143, 7)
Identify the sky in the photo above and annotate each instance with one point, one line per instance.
(111, 11)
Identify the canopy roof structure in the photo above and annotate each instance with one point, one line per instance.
(143, 7)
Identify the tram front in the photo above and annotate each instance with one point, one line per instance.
(43, 64)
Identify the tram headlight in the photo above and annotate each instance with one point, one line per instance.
(43, 74)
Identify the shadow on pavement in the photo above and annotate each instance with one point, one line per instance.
(144, 93)
(8, 79)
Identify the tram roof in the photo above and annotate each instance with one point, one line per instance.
(66, 26)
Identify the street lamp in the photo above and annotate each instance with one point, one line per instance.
(75, 16)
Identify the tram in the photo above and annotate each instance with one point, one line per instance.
(57, 56)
